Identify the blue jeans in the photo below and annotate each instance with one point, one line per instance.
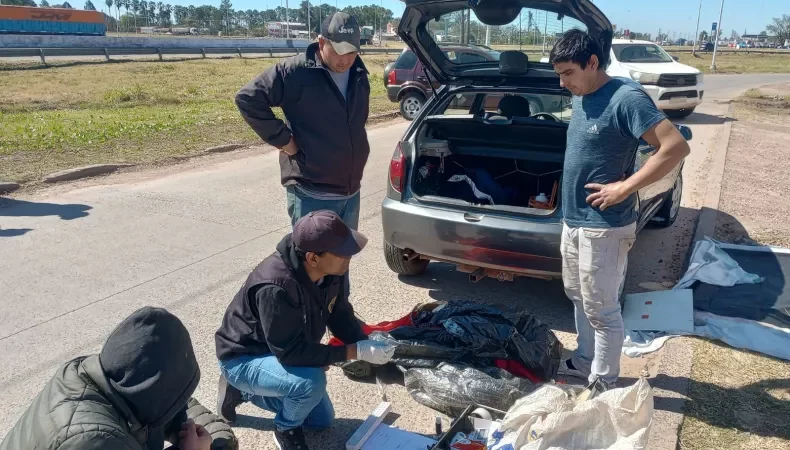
(296, 395)
(299, 205)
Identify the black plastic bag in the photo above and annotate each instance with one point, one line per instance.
(490, 333)
(450, 388)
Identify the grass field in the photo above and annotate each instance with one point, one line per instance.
(146, 111)
(137, 111)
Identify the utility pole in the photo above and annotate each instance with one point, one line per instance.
(488, 35)
(463, 25)
(519, 30)
(696, 36)
(309, 30)
(468, 25)
(716, 37)
(287, 25)
(545, 32)
(381, 36)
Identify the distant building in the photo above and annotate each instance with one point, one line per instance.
(286, 29)
(760, 38)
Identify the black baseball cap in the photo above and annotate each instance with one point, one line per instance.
(342, 31)
(324, 231)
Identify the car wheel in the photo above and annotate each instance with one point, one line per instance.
(401, 266)
(668, 214)
(679, 113)
(411, 104)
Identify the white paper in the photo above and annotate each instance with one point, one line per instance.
(387, 437)
(660, 311)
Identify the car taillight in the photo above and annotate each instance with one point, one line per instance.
(398, 169)
(391, 77)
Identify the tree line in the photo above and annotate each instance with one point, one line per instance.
(209, 19)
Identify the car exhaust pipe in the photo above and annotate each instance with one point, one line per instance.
(410, 255)
(477, 275)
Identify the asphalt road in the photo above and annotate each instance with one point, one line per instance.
(78, 258)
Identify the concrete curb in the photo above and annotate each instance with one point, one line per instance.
(671, 385)
(225, 148)
(706, 224)
(83, 172)
(384, 116)
(104, 169)
(8, 187)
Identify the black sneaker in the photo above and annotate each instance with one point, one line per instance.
(290, 439)
(597, 387)
(228, 398)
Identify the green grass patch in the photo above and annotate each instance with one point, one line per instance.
(68, 114)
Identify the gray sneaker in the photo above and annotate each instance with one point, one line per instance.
(567, 369)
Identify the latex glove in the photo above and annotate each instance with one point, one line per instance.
(375, 352)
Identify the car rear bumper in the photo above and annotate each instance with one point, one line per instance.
(676, 97)
(392, 92)
(497, 242)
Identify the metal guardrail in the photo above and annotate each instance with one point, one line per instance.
(108, 52)
(736, 51)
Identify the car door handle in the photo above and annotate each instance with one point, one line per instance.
(473, 217)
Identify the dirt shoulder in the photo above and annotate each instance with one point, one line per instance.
(741, 399)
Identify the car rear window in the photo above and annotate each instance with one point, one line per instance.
(406, 61)
(557, 105)
(640, 53)
(534, 31)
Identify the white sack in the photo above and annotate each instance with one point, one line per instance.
(549, 419)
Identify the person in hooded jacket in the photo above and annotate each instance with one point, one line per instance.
(131, 396)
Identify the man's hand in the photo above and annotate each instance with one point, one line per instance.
(375, 352)
(194, 437)
(607, 194)
(290, 148)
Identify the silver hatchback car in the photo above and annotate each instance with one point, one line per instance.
(475, 179)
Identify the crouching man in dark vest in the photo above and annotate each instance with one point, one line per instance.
(269, 345)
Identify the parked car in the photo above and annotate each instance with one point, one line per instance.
(675, 88)
(706, 46)
(408, 84)
(477, 185)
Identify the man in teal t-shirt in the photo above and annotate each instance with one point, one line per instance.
(599, 195)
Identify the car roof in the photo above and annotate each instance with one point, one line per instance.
(459, 46)
(631, 41)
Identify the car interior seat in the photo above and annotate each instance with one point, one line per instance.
(514, 105)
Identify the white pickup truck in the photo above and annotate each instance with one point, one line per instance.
(675, 88)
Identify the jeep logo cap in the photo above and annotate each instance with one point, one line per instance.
(342, 31)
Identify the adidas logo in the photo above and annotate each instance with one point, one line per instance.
(593, 129)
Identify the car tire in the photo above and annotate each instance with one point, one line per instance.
(411, 104)
(394, 257)
(679, 113)
(668, 214)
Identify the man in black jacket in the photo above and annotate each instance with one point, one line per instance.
(325, 95)
(132, 396)
(269, 345)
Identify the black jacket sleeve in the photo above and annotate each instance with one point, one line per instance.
(283, 325)
(342, 322)
(255, 102)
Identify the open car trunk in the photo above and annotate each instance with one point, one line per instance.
(513, 167)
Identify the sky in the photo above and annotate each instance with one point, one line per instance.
(674, 16)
